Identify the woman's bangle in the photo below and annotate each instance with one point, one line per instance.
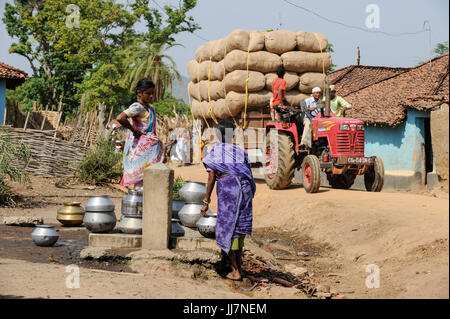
(206, 201)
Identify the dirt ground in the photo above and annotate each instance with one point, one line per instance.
(341, 232)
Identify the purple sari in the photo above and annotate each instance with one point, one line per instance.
(234, 192)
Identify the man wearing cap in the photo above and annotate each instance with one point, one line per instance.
(311, 111)
(337, 103)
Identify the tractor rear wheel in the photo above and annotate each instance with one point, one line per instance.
(374, 177)
(311, 174)
(280, 161)
(342, 181)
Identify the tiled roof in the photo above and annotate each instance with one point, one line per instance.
(384, 94)
(356, 77)
(10, 73)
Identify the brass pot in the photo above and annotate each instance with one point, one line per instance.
(71, 214)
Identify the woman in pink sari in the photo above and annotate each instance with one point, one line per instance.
(142, 146)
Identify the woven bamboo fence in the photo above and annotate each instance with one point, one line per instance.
(50, 156)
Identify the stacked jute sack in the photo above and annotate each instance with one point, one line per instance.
(221, 69)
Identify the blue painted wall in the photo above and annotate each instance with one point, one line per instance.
(400, 146)
(2, 99)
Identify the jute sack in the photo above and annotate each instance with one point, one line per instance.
(307, 41)
(298, 61)
(280, 41)
(203, 52)
(216, 90)
(193, 90)
(218, 71)
(261, 61)
(236, 101)
(237, 40)
(235, 81)
(221, 110)
(294, 97)
(200, 71)
(290, 77)
(309, 80)
(192, 70)
(218, 50)
(200, 109)
(215, 50)
(257, 41)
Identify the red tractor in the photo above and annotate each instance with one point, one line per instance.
(337, 149)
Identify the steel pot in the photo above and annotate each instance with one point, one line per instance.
(177, 205)
(177, 229)
(71, 214)
(193, 192)
(132, 204)
(130, 225)
(190, 214)
(101, 203)
(44, 235)
(207, 225)
(99, 222)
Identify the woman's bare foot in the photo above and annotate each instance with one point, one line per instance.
(234, 275)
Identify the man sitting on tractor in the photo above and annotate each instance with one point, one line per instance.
(311, 111)
(337, 104)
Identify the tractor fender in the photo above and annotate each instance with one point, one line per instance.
(290, 130)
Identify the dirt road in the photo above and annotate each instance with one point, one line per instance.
(405, 235)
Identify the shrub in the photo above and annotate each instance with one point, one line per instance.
(101, 164)
(12, 156)
(177, 184)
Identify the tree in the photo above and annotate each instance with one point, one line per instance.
(65, 55)
(441, 48)
(11, 153)
(167, 105)
(330, 49)
(148, 60)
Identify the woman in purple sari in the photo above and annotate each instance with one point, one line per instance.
(228, 165)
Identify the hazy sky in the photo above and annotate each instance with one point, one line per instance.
(219, 17)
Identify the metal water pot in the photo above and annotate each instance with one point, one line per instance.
(132, 204)
(100, 203)
(193, 192)
(176, 230)
(190, 214)
(130, 225)
(207, 225)
(71, 214)
(99, 222)
(177, 205)
(44, 235)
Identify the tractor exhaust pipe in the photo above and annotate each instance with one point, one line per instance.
(327, 101)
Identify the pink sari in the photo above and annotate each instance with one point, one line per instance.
(142, 152)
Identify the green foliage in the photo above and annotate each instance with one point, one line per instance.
(12, 155)
(177, 184)
(34, 89)
(168, 104)
(441, 48)
(330, 49)
(65, 57)
(105, 84)
(101, 164)
(147, 60)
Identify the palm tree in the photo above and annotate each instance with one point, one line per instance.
(148, 60)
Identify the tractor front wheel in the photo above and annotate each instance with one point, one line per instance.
(311, 174)
(374, 177)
